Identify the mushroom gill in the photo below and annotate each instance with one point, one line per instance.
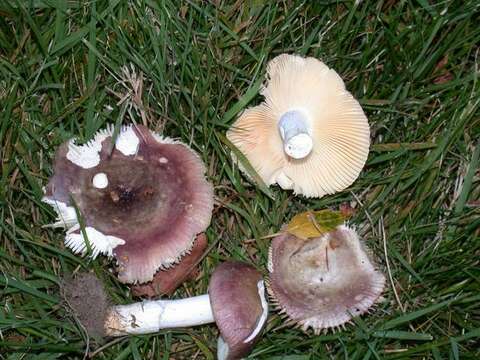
(309, 135)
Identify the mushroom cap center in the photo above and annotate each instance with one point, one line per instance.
(140, 194)
(325, 264)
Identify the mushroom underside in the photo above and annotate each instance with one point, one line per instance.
(309, 135)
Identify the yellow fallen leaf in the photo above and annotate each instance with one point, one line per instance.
(310, 224)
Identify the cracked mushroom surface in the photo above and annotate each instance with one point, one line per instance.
(322, 282)
(309, 135)
(142, 201)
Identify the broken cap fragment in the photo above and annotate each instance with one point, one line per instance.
(144, 202)
(309, 135)
(322, 282)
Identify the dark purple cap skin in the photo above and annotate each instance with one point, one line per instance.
(236, 305)
(157, 201)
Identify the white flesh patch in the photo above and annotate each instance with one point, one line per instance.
(100, 180)
(127, 141)
(222, 349)
(66, 215)
(99, 242)
(299, 146)
(270, 259)
(283, 181)
(264, 316)
(87, 156)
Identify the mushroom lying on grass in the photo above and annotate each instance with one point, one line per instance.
(143, 199)
(235, 302)
(322, 282)
(309, 135)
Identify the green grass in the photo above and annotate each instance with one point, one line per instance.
(414, 66)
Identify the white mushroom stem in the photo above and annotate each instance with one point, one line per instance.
(151, 316)
(296, 134)
(148, 317)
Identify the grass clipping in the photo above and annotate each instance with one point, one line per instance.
(87, 298)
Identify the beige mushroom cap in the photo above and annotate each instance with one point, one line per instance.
(337, 125)
(323, 282)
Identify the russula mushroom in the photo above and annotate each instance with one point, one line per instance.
(235, 301)
(322, 282)
(309, 135)
(142, 200)
(240, 309)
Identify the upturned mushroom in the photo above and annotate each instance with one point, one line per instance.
(235, 301)
(143, 199)
(309, 135)
(323, 282)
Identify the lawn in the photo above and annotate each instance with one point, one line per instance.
(187, 69)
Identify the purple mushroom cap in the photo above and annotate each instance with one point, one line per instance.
(144, 202)
(237, 297)
(322, 282)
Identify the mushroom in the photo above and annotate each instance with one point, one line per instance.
(142, 200)
(322, 282)
(240, 309)
(235, 301)
(309, 135)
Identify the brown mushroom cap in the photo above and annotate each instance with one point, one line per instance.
(322, 282)
(239, 307)
(156, 199)
(339, 128)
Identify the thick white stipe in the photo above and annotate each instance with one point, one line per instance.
(151, 316)
(295, 131)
